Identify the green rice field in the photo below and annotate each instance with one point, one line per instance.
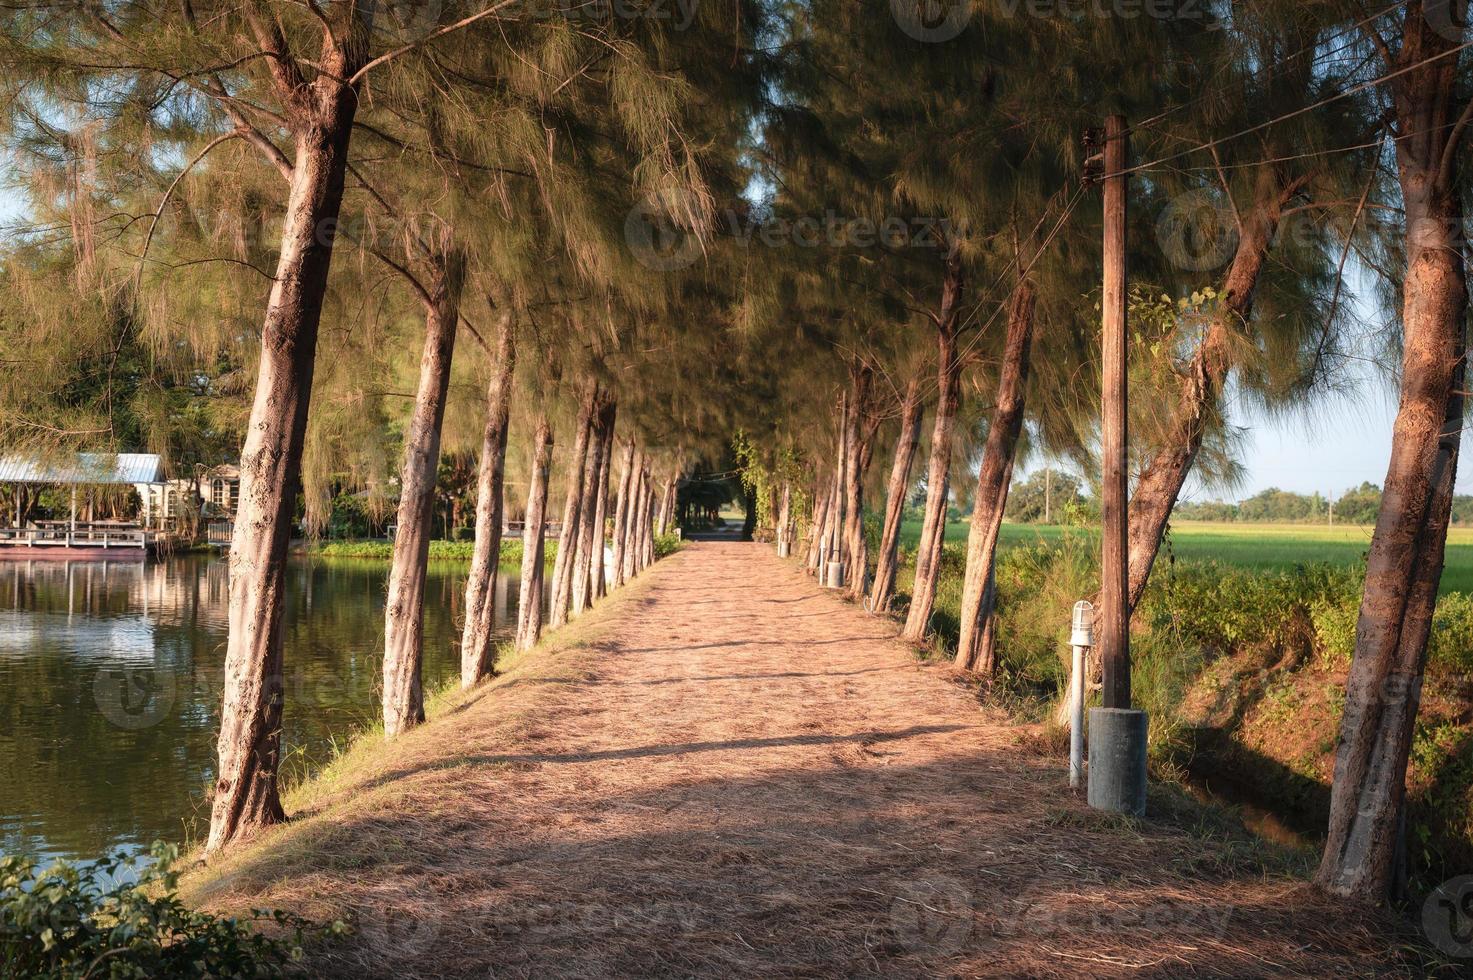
(1267, 546)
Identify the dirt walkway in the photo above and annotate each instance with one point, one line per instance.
(731, 773)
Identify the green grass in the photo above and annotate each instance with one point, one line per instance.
(1267, 546)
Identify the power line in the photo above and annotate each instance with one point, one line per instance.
(1277, 63)
(1372, 83)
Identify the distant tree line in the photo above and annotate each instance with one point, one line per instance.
(1054, 497)
(1356, 506)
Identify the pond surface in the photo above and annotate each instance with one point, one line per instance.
(110, 687)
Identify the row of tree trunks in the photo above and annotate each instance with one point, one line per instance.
(1362, 857)
(973, 652)
(403, 693)
(906, 444)
(477, 647)
(246, 796)
(561, 599)
(1161, 482)
(630, 551)
(644, 543)
(666, 513)
(623, 508)
(822, 498)
(588, 534)
(938, 471)
(529, 603)
(783, 524)
(598, 583)
(851, 534)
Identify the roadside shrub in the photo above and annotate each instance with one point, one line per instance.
(1450, 650)
(463, 534)
(668, 544)
(67, 923)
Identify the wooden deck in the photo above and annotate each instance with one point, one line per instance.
(83, 542)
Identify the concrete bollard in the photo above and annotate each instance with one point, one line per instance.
(1117, 759)
(834, 575)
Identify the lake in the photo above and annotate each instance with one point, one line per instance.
(110, 687)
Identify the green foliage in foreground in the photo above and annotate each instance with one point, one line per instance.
(65, 923)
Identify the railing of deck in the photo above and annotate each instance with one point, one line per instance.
(50, 537)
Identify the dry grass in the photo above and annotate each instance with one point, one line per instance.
(725, 772)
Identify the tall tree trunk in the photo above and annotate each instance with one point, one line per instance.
(666, 512)
(1160, 484)
(582, 570)
(1404, 567)
(404, 608)
(783, 531)
(852, 528)
(622, 511)
(529, 601)
(631, 520)
(979, 586)
(863, 426)
(643, 549)
(599, 585)
(906, 443)
(246, 796)
(477, 650)
(822, 500)
(938, 472)
(567, 543)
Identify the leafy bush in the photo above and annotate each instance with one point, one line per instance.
(1451, 648)
(668, 544)
(64, 922)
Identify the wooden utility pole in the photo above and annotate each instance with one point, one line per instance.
(1112, 615)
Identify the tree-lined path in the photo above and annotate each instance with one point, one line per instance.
(725, 771)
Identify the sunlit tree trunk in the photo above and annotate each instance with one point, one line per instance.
(477, 649)
(404, 607)
(822, 499)
(938, 472)
(666, 512)
(1161, 482)
(567, 545)
(622, 511)
(529, 601)
(246, 796)
(906, 443)
(646, 547)
(588, 507)
(979, 585)
(852, 493)
(631, 519)
(598, 581)
(1404, 566)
